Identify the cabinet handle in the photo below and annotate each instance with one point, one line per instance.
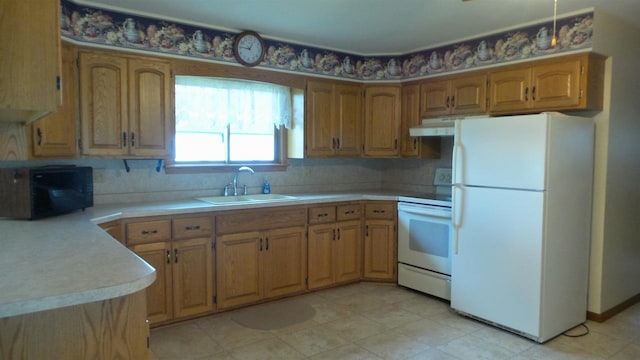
(526, 94)
(152, 232)
(333, 143)
(533, 93)
(337, 143)
(124, 139)
(133, 139)
(194, 227)
(323, 215)
(39, 133)
(376, 211)
(334, 234)
(267, 247)
(338, 233)
(448, 102)
(260, 244)
(348, 212)
(415, 143)
(453, 101)
(366, 230)
(395, 144)
(175, 254)
(168, 256)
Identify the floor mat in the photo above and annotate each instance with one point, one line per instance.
(275, 315)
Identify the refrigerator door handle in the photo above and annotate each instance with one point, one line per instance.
(457, 215)
(457, 154)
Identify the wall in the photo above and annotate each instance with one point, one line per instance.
(615, 255)
(112, 184)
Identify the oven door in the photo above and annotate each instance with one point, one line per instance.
(425, 237)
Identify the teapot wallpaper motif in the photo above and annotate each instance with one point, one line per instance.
(105, 27)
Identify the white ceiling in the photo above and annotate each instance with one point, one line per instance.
(365, 27)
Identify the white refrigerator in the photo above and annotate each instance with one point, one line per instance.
(522, 188)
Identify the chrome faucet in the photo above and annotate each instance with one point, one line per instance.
(235, 179)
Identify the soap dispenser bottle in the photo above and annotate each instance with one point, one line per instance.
(266, 187)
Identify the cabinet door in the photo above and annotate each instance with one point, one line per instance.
(149, 107)
(348, 249)
(348, 110)
(379, 249)
(30, 61)
(55, 135)
(321, 258)
(435, 98)
(238, 269)
(320, 137)
(410, 146)
(103, 104)
(469, 95)
(284, 261)
(382, 121)
(192, 272)
(159, 294)
(509, 90)
(556, 85)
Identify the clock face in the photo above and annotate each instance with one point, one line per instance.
(249, 49)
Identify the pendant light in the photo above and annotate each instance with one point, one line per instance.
(554, 40)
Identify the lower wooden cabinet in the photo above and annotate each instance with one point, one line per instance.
(257, 265)
(335, 247)
(183, 263)
(380, 241)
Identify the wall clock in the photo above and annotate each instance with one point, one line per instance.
(248, 48)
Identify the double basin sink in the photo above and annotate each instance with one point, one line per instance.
(246, 199)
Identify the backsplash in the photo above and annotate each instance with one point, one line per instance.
(112, 184)
(120, 30)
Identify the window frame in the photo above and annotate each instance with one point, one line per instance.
(192, 68)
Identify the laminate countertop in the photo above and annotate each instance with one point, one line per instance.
(69, 260)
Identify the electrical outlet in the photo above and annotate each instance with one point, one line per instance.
(443, 176)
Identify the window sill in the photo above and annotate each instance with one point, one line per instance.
(210, 168)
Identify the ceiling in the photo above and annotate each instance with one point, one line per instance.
(365, 27)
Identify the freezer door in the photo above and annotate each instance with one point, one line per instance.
(496, 265)
(504, 152)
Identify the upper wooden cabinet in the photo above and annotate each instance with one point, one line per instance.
(126, 105)
(415, 146)
(460, 95)
(30, 61)
(54, 136)
(382, 112)
(567, 83)
(332, 119)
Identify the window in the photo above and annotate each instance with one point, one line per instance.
(220, 121)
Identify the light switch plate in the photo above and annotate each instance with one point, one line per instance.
(442, 177)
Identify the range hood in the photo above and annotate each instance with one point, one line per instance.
(434, 127)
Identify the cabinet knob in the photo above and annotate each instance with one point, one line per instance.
(192, 227)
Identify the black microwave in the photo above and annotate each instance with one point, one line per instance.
(34, 193)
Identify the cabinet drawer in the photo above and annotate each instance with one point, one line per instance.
(190, 227)
(349, 212)
(322, 214)
(382, 210)
(260, 220)
(148, 231)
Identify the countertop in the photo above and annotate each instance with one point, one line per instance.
(68, 260)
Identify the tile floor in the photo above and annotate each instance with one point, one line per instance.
(378, 321)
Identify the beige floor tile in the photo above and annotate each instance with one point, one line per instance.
(229, 333)
(330, 311)
(355, 327)
(430, 332)
(630, 352)
(396, 294)
(557, 350)
(471, 347)
(594, 343)
(346, 352)
(313, 341)
(618, 327)
(507, 340)
(457, 321)
(182, 341)
(393, 345)
(340, 292)
(360, 303)
(269, 349)
(392, 316)
(426, 306)
(434, 354)
(220, 356)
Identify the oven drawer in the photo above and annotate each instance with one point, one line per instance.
(423, 280)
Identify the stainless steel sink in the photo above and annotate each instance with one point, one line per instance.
(246, 199)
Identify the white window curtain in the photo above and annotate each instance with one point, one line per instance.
(204, 103)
